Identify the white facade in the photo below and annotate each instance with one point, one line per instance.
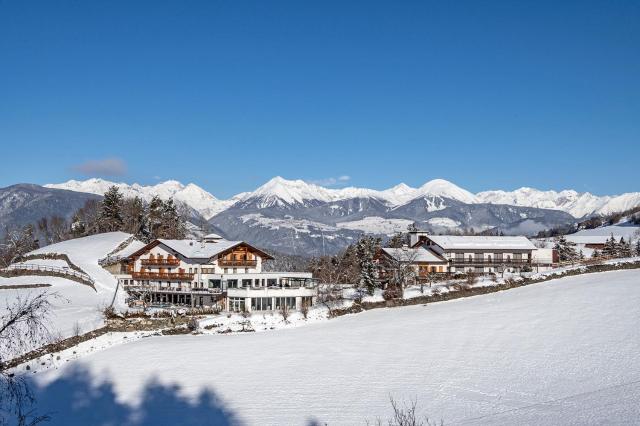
(214, 272)
(480, 254)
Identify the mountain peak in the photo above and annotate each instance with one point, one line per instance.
(444, 188)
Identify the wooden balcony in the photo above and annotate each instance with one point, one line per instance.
(176, 276)
(160, 262)
(225, 263)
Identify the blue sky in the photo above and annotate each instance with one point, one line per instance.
(487, 94)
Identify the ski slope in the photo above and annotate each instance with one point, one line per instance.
(560, 352)
(78, 306)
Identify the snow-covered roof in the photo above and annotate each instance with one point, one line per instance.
(416, 255)
(199, 250)
(195, 249)
(587, 239)
(456, 242)
(212, 236)
(133, 247)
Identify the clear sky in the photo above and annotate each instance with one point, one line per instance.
(486, 94)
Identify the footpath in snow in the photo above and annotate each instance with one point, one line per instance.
(559, 352)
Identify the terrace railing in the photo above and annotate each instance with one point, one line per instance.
(25, 268)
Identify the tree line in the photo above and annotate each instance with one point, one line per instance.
(147, 221)
(613, 249)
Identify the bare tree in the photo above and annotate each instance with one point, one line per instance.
(285, 311)
(405, 415)
(329, 294)
(400, 267)
(16, 242)
(23, 326)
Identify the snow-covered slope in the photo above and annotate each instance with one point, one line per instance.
(192, 195)
(561, 352)
(78, 303)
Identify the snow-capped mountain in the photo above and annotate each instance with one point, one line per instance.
(283, 192)
(280, 192)
(577, 204)
(192, 195)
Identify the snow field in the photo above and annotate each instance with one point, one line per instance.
(559, 352)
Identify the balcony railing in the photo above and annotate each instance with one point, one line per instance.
(160, 262)
(243, 263)
(178, 276)
(455, 262)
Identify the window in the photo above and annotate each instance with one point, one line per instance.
(272, 282)
(489, 258)
(246, 283)
(226, 270)
(215, 284)
(256, 282)
(235, 270)
(498, 257)
(289, 302)
(246, 270)
(261, 304)
(232, 283)
(236, 304)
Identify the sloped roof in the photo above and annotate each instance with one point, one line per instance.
(415, 255)
(456, 242)
(589, 239)
(195, 249)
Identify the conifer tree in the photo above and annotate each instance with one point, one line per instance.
(596, 253)
(173, 226)
(366, 249)
(154, 218)
(610, 247)
(110, 215)
(624, 248)
(638, 247)
(566, 249)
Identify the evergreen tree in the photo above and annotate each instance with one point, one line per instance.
(398, 240)
(581, 255)
(172, 226)
(596, 253)
(134, 217)
(638, 247)
(154, 218)
(624, 248)
(566, 249)
(110, 216)
(610, 247)
(366, 249)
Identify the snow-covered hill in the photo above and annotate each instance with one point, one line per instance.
(77, 303)
(561, 352)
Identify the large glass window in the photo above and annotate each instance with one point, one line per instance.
(246, 283)
(236, 304)
(261, 304)
(289, 302)
(232, 283)
(272, 282)
(215, 284)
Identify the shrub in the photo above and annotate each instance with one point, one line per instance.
(471, 279)
(392, 292)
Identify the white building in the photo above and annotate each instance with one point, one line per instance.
(479, 254)
(214, 272)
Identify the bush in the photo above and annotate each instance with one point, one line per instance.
(392, 292)
(471, 279)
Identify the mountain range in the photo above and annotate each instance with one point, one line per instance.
(297, 217)
(283, 192)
